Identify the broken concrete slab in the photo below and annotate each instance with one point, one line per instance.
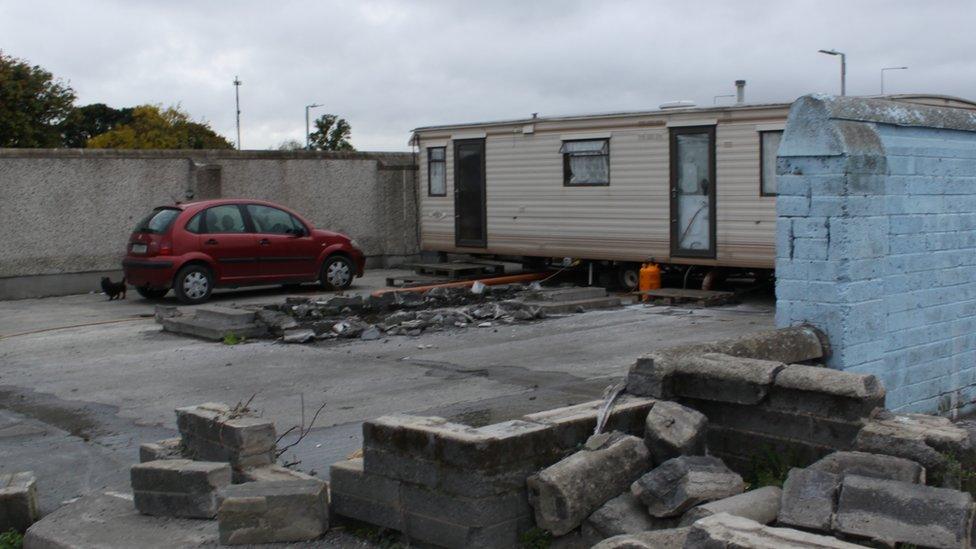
(683, 482)
(725, 531)
(214, 322)
(624, 514)
(18, 501)
(178, 487)
(269, 473)
(871, 465)
(215, 432)
(170, 448)
(109, 521)
(724, 378)
(565, 493)
(809, 499)
(926, 440)
(904, 513)
(659, 539)
(825, 392)
(760, 505)
(672, 430)
(275, 511)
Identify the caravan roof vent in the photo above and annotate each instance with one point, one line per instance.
(683, 104)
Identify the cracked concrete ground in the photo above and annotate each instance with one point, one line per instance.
(84, 381)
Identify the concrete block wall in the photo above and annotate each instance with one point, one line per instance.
(453, 485)
(67, 214)
(876, 243)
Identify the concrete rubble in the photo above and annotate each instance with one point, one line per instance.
(673, 430)
(760, 505)
(178, 487)
(624, 514)
(564, 494)
(809, 499)
(871, 465)
(684, 482)
(725, 531)
(659, 539)
(407, 313)
(18, 501)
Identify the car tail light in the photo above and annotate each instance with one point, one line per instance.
(165, 248)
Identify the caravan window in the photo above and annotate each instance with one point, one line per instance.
(768, 145)
(586, 162)
(436, 171)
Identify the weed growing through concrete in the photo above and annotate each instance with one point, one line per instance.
(770, 468)
(386, 539)
(11, 539)
(230, 338)
(536, 538)
(956, 475)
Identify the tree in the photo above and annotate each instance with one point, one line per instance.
(32, 105)
(290, 145)
(331, 134)
(86, 122)
(152, 127)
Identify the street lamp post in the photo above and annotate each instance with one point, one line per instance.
(889, 69)
(843, 69)
(237, 103)
(308, 144)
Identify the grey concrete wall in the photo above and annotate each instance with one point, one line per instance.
(876, 243)
(69, 212)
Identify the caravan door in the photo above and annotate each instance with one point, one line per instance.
(470, 224)
(693, 191)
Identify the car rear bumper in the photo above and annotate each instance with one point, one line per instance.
(152, 273)
(360, 261)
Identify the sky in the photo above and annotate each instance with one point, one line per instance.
(391, 66)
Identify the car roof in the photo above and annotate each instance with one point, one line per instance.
(203, 204)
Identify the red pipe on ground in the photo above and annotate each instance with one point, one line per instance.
(507, 279)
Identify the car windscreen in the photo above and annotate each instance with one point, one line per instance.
(158, 221)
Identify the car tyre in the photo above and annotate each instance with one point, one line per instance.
(337, 273)
(193, 284)
(628, 276)
(152, 293)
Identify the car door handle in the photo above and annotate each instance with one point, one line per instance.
(264, 242)
(211, 241)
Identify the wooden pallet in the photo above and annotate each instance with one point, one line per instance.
(456, 270)
(678, 296)
(409, 281)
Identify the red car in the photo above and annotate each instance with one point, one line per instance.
(195, 247)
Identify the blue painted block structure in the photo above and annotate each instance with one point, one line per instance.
(876, 243)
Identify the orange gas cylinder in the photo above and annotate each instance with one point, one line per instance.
(650, 279)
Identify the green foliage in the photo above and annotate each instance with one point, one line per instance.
(955, 475)
(230, 338)
(11, 539)
(536, 538)
(153, 127)
(770, 468)
(331, 134)
(32, 105)
(88, 121)
(290, 145)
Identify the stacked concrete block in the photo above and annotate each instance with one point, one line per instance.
(876, 211)
(214, 432)
(809, 499)
(445, 483)
(179, 487)
(566, 493)
(273, 511)
(684, 482)
(572, 425)
(725, 531)
(18, 501)
(170, 448)
(871, 465)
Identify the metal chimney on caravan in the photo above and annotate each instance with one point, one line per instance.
(740, 92)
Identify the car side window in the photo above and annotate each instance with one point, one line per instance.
(194, 225)
(268, 220)
(224, 219)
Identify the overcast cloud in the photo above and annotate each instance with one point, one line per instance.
(391, 66)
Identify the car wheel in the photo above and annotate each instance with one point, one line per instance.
(628, 276)
(152, 293)
(337, 273)
(193, 284)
